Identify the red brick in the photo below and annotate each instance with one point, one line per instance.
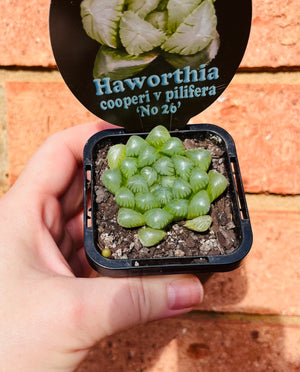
(35, 111)
(264, 122)
(269, 280)
(274, 39)
(199, 344)
(24, 33)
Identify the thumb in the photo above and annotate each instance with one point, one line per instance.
(112, 304)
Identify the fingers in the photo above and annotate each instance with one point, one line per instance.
(113, 305)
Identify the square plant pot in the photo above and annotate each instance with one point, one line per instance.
(222, 248)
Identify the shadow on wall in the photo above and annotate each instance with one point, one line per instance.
(200, 341)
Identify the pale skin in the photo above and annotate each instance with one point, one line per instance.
(51, 310)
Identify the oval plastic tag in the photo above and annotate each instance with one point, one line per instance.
(140, 63)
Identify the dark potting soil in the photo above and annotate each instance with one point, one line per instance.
(220, 239)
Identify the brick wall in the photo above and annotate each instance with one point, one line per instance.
(249, 320)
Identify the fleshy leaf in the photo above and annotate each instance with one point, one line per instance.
(135, 145)
(216, 185)
(183, 166)
(112, 179)
(142, 7)
(115, 155)
(163, 195)
(158, 136)
(150, 237)
(137, 183)
(199, 205)
(167, 181)
(117, 64)
(164, 166)
(195, 60)
(178, 208)
(147, 157)
(196, 31)
(199, 224)
(181, 189)
(178, 10)
(198, 179)
(100, 20)
(130, 218)
(158, 218)
(128, 166)
(137, 35)
(158, 19)
(149, 174)
(145, 201)
(200, 157)
(125, 198)
(173, 146)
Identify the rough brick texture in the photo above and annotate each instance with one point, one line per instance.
(267, 140)
(269, 281)
(274, 39)
(24, 33)
(199, 344)
(264, 122)
(57, 109)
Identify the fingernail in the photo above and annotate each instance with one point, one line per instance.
(184, 293)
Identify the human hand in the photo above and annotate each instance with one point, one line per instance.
(51, 312)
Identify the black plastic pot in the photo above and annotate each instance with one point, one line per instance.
(174, 265)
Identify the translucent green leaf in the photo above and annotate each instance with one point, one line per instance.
(178, 208)
(158, 136)
(112, 179)
(158, 218)
(162, 5)
(128, 166)
(125, 198)
(137, 183)
(149, 174)
(167, 181)
(216, 185)
(181, 189)
(115, 155)
(100, 20)
(147, 157)
(178, 10)
(137, 35)
(164, 166)
(198, 179)
(158, 20)
(199, 224)
(183, 166)
(135, 145)
(150, 237)
(163, 195)
(195, 33)
(142, 7)
(130, 218)
(145, 201)
(173, 146)
(200, 157)
(117, 64)
(199, 205)
(194, 60)
(154, 187)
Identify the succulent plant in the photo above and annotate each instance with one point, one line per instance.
(156, 182)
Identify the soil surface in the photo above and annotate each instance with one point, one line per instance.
(220, 239)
